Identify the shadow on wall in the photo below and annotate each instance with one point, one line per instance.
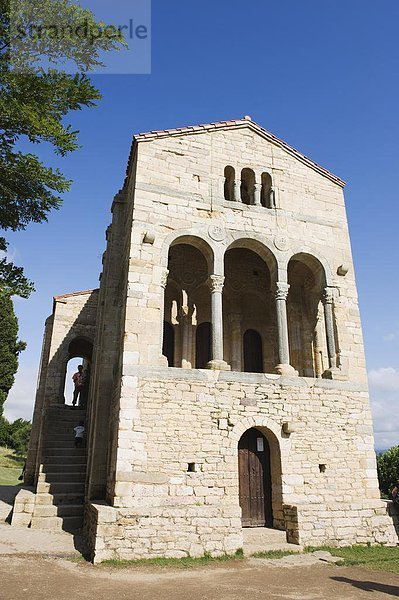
(71, 329)
(393, 511)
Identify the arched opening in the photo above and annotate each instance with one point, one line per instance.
(187, 300)
(253, 352)
(203, 340)
(229, 176)
(247, 186)
(168, 348)
(266, 198)
(78, 372)
(249, 306)
(255, 479)
(305, 314)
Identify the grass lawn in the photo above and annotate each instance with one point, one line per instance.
(10, 467)
(377, 558)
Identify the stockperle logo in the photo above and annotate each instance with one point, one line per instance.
(96, 36)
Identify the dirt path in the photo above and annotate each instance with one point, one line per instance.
(28, 578)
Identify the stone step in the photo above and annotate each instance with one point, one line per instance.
(64, 510)
(64, 450)
(70, 524)
(61, 438)
(65, 477)
(57, 459)
(60, 409)
(60, 487)
(77, 467)
(62, 428)
(59, 499)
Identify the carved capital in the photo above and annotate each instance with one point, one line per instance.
(281, 291)
(164, 278)
(216, 283)
(328, 295)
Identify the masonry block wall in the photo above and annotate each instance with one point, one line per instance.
(227, 305)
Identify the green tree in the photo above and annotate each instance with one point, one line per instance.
(10, 346)
(15, 435)
(35, 101)
(388, 470)
(19, 432)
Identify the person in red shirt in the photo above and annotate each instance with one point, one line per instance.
(78, 379)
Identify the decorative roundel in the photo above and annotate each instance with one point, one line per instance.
(216, 233)
(281, 242)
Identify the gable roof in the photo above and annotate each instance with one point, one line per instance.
(245, 123)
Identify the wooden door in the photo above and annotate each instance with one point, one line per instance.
(255, 480)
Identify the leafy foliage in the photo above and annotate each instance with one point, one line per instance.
(34, 103)
(10, 346)
(15, 435)
(388, 470)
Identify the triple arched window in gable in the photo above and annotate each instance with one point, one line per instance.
(248, 188)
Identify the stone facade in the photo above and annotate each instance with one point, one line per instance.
(227, 303)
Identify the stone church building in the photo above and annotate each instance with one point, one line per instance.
(224, 350)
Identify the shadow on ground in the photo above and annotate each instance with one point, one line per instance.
(370, 586)
(7, 496)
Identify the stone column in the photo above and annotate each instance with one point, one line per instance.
(272, 198)
(237, 190)
(284, 367)
(318, 344)
(235, 341)
(164, 280)
(187, 336)
(328, 300)
(257, 194)
(216, 285)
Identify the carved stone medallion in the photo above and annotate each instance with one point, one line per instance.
(216, 233)
(281, 242)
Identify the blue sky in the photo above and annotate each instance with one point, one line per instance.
(322, 75)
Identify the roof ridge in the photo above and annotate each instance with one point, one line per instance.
(76, 294)
(244, 122)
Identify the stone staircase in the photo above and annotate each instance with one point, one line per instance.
(60, 489)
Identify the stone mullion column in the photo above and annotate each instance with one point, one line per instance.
(164, 280)
(216, 285)
(187, 337)
(237, 190)
(236, 342)
(257, 194)
(328, 300)
(284, 367)
(318, 345)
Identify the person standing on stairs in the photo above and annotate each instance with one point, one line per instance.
(79, 380)
(79, 432)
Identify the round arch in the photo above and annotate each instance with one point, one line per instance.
(279, 448)
(260, 248)
(80, 347)
(317, 264)
(191, 239)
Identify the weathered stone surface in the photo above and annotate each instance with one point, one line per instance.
(163, 440)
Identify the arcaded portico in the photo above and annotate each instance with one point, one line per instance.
(228, 385)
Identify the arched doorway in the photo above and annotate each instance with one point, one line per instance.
(80, 351)
(255, 482)
(253, 352)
